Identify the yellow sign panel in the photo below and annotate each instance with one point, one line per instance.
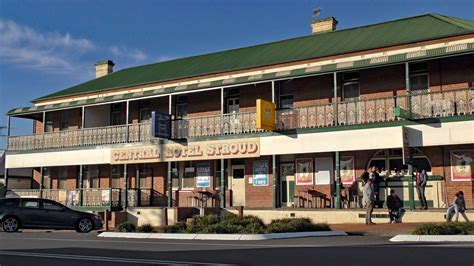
(266, 115)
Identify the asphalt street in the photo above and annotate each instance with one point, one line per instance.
(69, 248)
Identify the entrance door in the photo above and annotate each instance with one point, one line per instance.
(238, 185)
(323, 167)
(287, 188)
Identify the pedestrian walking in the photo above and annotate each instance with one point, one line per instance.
(458, 207)
(369, 201)
(421, 180)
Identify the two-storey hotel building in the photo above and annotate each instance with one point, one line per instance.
(397, 95)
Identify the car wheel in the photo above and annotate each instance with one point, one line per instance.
(11, 224)
(84, 225)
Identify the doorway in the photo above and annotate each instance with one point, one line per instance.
(238, 185)
(287, 188)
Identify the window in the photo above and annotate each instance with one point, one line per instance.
(285, 94)
(30, 203)
(9, 202)
(91, 173)
(64, 120)
(116, 173)
(62, 178)
(351, 86)
(232, 100)
(49, 123)
(188, 177)
(46, 178)
(52, 206)
(116, 114)
(144, 177)
(145, 111)
(390, 162)
(181, 106)
(419, 81)
(175, 176)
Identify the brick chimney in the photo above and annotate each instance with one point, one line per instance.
(103, 68)
(324, 25)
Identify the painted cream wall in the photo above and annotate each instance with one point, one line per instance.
(347, 140)
(453, 133)
(146, 215)
(59, 158)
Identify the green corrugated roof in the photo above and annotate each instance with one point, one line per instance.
(402, 31)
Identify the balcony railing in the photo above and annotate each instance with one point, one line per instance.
(82, 137)
(428, 105)
(91, 197)
(217, 125)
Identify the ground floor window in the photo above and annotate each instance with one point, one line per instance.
(46, 178)
(115, 175)
(390, 162)
(62, 177)
(91, 174)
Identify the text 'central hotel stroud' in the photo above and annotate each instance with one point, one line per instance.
(271, 126)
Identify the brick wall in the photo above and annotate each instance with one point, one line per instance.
(249, 94)
(258, 196)
(204, 103)
(451, 73)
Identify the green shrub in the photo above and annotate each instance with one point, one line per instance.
(175, 228)
(145, 228)
(295, 225)
(450, 228)
(203, 224)
(126, 227)
(233, 224)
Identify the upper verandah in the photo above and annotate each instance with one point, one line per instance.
(382, 35)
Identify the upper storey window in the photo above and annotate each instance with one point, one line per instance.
(181, 106)
(64, 120)
(116, 114)
(233, 101)
(145, 111)
(419, 78)
(285, 94)
(351, 86)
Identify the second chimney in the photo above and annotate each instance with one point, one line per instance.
(324, 25)
(103, 68)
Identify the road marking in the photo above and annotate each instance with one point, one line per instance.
(104, 259)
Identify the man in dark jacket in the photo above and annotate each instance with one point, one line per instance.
(395, 207)
(421, 180)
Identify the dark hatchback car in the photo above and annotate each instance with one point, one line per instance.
(34, 213)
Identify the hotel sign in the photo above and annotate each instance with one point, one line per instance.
(193, 151)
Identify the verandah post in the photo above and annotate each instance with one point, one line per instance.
(125, 185)
(275, 181)
(169, 186)
(338, 181)
(41, 182)
(222, 184)
(81, 178)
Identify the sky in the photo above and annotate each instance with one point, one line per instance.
(50, 45)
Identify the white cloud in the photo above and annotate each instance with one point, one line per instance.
(57, 53)
(124, 52)
(165, 58)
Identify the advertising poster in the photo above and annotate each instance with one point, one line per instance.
(203, 175)
(462, 165)
(304, 172)
(347, 170)
(260, 173)
(105, 196)
(72, 198)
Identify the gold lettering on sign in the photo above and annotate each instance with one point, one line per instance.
(225, 149)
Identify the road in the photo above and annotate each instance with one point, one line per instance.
(69, 248)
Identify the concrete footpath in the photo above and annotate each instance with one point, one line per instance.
(432, 238)
(221, 236)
